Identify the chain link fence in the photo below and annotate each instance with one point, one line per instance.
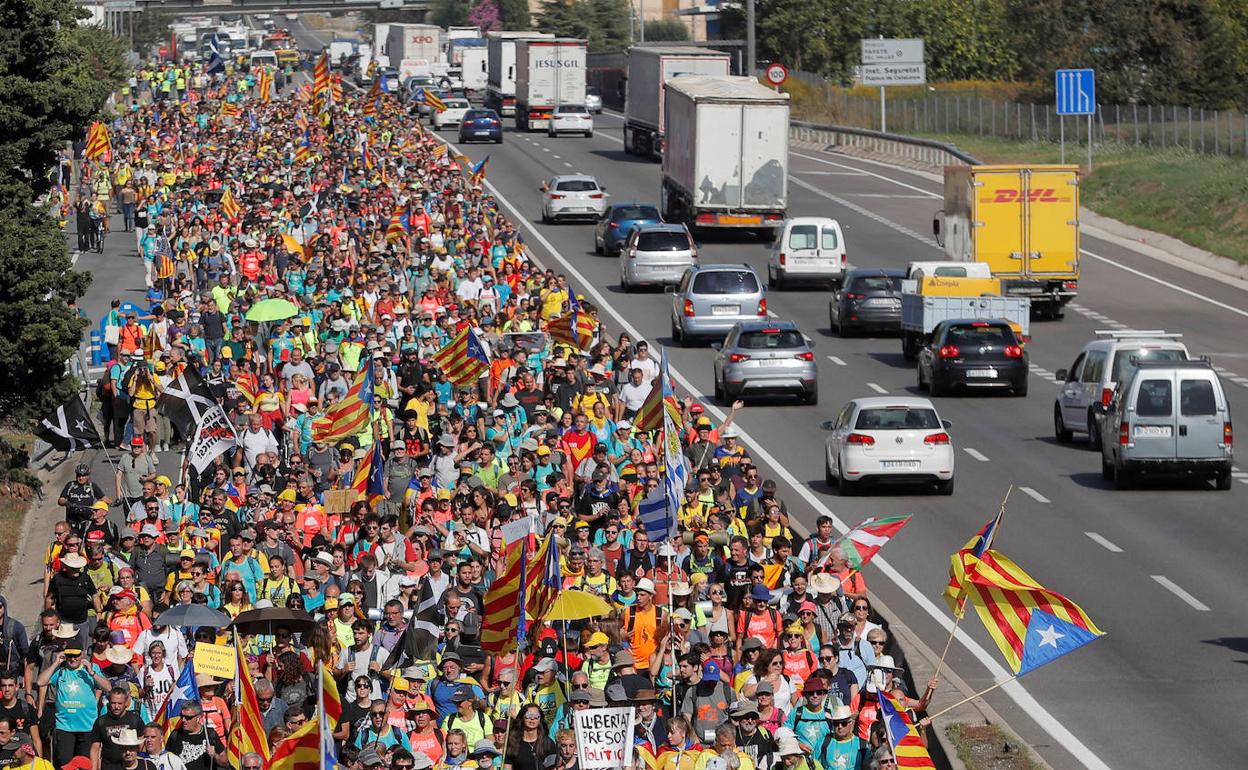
(1215, 132)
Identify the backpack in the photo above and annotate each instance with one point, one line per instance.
(743, 621)
(630, 618)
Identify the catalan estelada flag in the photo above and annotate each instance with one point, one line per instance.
(370, 475)
(477, 174)
(247, 734)
(908, 747)
(398, 227)
(301, 750)
(575, 327)
(440, 150)
(265, 84)
(650, 416)
(321, 85)
(1030, 624)
(229, 206)
(981, 541)
(350, 415)
(303, 150)
(99, 147)
(230, 110)
(435, 103)
(463, 360)
(543, 579)
(504, 601)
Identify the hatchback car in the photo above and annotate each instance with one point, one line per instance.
(765, 356)
(711, 299)
(887, 439)
(570, 119)
(481, 124)
(1096, 371)
(656, 254)
(572, 196)
(453, 115)
(617, 221)
(869, 300)
(593, 100)
(1169, 418)
(973, 354)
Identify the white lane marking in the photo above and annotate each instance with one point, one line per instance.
(887, 196)
(1034, 495)
(1161, 282)
(545, 149)
(978, 455)
(73, 258)
(556, 157)
(920, 190)
(865, 212)
(569, 165)
(877, 388)
(1170, 586)
(837, 361)
(1014, 689)
(829, 173)
(1103, 542)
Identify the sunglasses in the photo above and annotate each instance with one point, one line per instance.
(816, 692)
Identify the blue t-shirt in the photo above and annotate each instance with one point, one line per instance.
(76, 706)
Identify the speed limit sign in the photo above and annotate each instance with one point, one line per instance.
(777, 73)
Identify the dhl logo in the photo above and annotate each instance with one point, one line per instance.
(1035, 195)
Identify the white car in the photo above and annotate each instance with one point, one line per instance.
(572, 196)
(570, 119)
(292, 16)
(888, 439)
(453, 115)
(593, 100)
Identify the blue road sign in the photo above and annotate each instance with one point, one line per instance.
(1076, 92)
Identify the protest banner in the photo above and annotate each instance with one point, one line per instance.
(604, 738)
(215, 660)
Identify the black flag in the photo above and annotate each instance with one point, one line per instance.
(186, 402)
(419, 642)
(70, 428)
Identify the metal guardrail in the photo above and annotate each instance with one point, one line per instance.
(925, 151)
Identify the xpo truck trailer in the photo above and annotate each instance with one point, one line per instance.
(414, 49)
(500, 87)
(648, 69)
(548, 73)
(731, 170)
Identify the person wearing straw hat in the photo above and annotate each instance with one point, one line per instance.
(841, 749)
(72, 593)
(792, 756)
(117, 720)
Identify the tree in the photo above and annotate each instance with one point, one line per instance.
(485, 16)
(565, 18)
(55, 76)
(449, 13)
(665, 30)
(515, 14)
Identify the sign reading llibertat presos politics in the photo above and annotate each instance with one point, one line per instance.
(604, 738)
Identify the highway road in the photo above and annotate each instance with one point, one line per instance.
(1160, 568)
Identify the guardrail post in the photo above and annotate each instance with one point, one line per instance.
(97, 348)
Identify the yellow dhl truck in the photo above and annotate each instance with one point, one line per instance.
(1023, 222)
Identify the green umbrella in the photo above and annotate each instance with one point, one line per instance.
(272, 310)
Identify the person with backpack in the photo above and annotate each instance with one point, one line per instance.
(708, 702)
(810, 720)
(755, 740)
(841, 749)
(467, 718)
(641, 623)
(758, 619)
(14, 642)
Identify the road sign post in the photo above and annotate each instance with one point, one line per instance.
(892, 62)
(1076, 95)
(776, 73)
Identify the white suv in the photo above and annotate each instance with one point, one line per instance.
(1096, 372)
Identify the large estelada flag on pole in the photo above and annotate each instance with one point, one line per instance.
(1030, 624)
(463, 360)
(350, 415)
(248, 733)
(908, 748)
(99, 147)
(504, 602)
(70, 427)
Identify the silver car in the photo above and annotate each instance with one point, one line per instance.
(1168, 418)
(572, 196)
(765, 356)
(656, 254)
(711, 299)
(593, 100)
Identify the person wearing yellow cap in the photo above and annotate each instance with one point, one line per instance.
(597, 665)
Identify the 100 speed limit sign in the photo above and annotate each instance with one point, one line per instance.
(776, 73)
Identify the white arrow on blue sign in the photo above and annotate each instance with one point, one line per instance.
(1076, 92)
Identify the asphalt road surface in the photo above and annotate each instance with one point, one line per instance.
(1160, 569)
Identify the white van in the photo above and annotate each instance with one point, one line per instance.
(266, 58)
(807, 249)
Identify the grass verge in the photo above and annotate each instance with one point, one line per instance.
(987, 747)
(17, 493)
(1200, 199)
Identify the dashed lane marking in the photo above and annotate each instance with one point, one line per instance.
(1034, 495)
(877, 388)
(837, 361)
(978, 455)
(1102, 541)
(1173, 588)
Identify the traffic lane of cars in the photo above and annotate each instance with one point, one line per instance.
(1104, 289)
(941, 525)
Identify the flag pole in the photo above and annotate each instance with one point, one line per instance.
(964, 701)
(961, 613)
(320, 708)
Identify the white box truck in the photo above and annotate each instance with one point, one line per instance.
(732, 168)
(414, 49)
(500, 87)
(381, 37)
(474, 69)
(548, 73)
(648, 69)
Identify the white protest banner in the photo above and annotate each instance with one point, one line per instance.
(214, 435)
(604, 738)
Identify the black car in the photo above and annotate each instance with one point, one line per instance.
(868, 300)
(973, 354)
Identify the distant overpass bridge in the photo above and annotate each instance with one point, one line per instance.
(265, 6)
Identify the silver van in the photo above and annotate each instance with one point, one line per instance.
(1169, 418)
(656, 254)
(711, 299)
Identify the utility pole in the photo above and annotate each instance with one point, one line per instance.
(749, 39)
